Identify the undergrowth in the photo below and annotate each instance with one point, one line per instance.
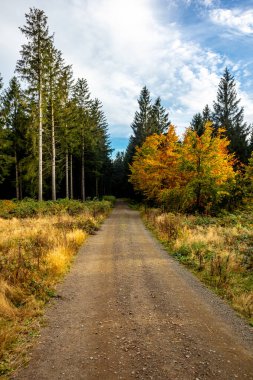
(218, 249)
(38, 241)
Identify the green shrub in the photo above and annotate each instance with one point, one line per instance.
(110, 198)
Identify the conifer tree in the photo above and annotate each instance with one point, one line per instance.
(199, 120)
(141, 125)
(229, 115)
(159, 118)
(33, 67)
(5, 160)
(81, 98)
(15, 119)
(66, 120)
(100, 146)
(55, 68)
(251, 140)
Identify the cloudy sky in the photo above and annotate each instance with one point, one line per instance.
(177, 48)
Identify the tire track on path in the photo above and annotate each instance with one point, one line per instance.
(128, 311)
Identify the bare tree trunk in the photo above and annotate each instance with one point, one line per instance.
(53, 154)
(67, 172)
(20, 184)
(17, 176)
(97, 195)
(71, 176)
(40, 146)
(83, 175)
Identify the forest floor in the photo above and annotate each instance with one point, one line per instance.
(127, 310)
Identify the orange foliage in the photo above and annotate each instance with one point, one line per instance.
(154, 167)
(197, 170)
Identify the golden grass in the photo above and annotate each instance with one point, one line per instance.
(218, 250)
(34, 255)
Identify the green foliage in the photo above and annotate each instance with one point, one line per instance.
(53, 136)
(148, 120)
(31, 208)
(229, 115)
(110, 198)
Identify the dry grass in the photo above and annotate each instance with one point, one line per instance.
(34, 255)
(218, 250)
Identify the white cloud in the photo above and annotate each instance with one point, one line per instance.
(234, 19)
(120, 46)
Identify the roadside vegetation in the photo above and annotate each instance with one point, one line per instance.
(219, 250)
(38, 241)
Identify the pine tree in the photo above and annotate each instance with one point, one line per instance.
(198, 121)
(159, 118)
(55, 68)
(206, 114)
(197, 124)
(141, 125)
(229, 115)
(5, 158)
(16, 119)
(33, 67)
(81, 98)
(66, 118)
(251, 140)
(100, 146)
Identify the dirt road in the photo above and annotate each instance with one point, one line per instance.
(128, 311)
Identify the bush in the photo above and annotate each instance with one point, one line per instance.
(110, 198)
(30, 208)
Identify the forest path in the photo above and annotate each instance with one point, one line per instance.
(129, 311)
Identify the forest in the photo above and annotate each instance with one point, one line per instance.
(206, 170)
(195, 192)
(54, 136)
(55, 141)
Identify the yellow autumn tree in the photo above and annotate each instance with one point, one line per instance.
(207, 167)
(192, 175)
(154, 168)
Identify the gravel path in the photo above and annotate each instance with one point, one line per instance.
(129, 311)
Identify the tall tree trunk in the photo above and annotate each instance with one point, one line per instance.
(198, 190)
(67, 172)
(20, 183)
(71, 176)
(53, 154)
(83, 175)
(40, 145)
(17, 177)
(97, 195)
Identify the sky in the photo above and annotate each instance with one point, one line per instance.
(177, 48)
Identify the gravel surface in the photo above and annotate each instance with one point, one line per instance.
(129, 311)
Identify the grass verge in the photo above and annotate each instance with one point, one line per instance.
(219, 250)
(38, 241)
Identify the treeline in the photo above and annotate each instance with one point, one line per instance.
(209, 168)
(54, 139)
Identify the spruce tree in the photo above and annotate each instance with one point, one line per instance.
(15, 116)
(207, 114)
(55, 68)
(66, 117)
(229, 115)
(251, 140)
(5, 157)
(159, 118)
(33, 67)
(81, 98)
(199, 120)
(197, 124)
(141, 125)
(100, 149)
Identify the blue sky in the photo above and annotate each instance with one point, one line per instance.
(177, 48)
